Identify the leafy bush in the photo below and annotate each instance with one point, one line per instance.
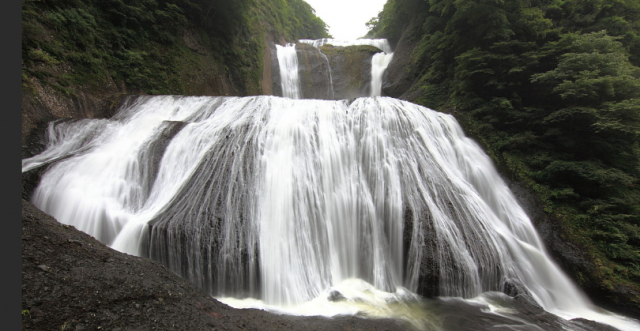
(552, 88)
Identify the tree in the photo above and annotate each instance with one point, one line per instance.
(599, 105)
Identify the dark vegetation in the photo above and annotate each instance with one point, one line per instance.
(72, 44)
(552, 89)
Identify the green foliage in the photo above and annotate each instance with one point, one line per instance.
(597, 110)
(552, 88)
(296, 18)
(71, 44)
(97, 40)
(391, 20)
(301, 22)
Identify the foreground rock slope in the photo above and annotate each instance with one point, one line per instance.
(70, 281)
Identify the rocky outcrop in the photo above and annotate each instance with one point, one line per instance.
(198, 72)
(576, 260)
(42, 104)
(332, 73)
(315, 73)
(70, 281)
(429, 268)
(329, 72)
(398, 78)
(351, 70)
(271, 69)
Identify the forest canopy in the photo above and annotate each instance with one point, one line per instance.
(73, 43)
(552, 88)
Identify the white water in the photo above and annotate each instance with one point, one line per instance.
(289, 65)
(288, 61)
(67, 142)
(382, 44)
(379, 64)
(331, 95)
(284, 200)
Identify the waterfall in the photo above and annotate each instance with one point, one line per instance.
(288, 61)
(306, 206)
(379, 63)
(331, 94)
(382, 44)
(285, 200)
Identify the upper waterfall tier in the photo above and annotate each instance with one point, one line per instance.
(289, 77)
(382, 44)
(333, 69)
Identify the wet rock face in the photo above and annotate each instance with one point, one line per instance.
(336, 296)
(314, 73)
(574, 259)
(30, 181)
(398, 78)
(49, 105)
(276, 82)
(351, 69)
(332, 73)
(429, 268)
(454, 314)
(70, 281)
(329, 72)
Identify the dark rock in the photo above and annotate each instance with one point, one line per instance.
(522, 298)
(336, 296)
(513, 287)
(429, 273)
(30, 180)
(576, 260)
(350, 69)
(314, 73)
(276, 82)
(36, 141)
(154, 152)
(399, 77)
(527, 305)
(591, 325)
(88, 298)
(48, 105)
(460, 315)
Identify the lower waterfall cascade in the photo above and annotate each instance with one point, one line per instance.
(307, 207)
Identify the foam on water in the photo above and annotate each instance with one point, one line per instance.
(286, 201)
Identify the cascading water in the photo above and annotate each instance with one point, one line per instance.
(382, 44)
(379, 63)
(288, 60)
(311, 206)
(331, 94)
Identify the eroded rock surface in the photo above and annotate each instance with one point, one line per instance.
(70, 281)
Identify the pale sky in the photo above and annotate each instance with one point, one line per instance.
(346, 18)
